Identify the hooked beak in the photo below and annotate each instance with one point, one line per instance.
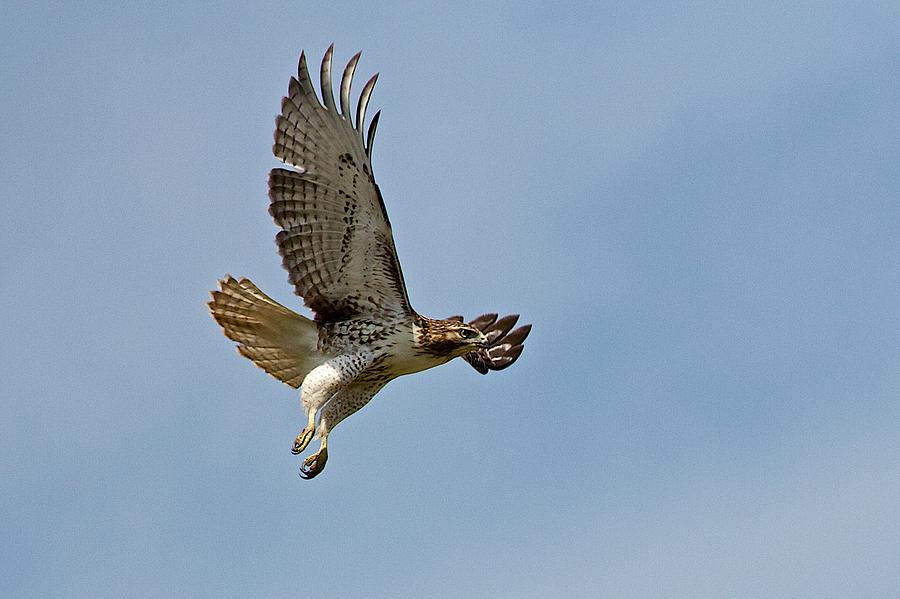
(484, 343)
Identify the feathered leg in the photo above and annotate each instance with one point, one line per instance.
(344, 403)
(320, 385)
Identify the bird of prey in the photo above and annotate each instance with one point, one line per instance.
(336, 243)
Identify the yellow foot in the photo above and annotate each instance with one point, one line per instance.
(314, 464)
(303, 440)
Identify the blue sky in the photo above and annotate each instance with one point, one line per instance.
(696, 205)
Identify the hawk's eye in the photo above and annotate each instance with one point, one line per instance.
(467, 333)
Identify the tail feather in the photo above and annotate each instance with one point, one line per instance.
(278, 340)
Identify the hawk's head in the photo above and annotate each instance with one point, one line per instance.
(449, 337)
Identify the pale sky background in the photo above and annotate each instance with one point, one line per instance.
(697, 205)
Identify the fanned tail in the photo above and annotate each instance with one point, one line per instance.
(278, 340)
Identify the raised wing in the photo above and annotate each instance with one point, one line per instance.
(335, 239)
(506, 344)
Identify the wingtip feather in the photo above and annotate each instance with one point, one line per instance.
(364, 103)
(370, 138)
(325, 81)
(346, 82)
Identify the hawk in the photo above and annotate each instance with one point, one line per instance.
(336, 243)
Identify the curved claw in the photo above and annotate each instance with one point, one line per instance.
(302, 440)
(314, 464)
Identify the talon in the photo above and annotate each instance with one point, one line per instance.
(314, 464)
(302, 440)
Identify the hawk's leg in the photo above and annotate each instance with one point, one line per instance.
(321, 384)
(344, 403)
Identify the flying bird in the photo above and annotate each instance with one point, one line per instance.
(336, 243)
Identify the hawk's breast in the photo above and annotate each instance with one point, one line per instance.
(404, 354)
(395, 346)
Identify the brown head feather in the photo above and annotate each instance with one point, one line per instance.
(448, 337)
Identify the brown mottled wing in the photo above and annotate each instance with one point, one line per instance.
(505, 345)
(335, 239)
